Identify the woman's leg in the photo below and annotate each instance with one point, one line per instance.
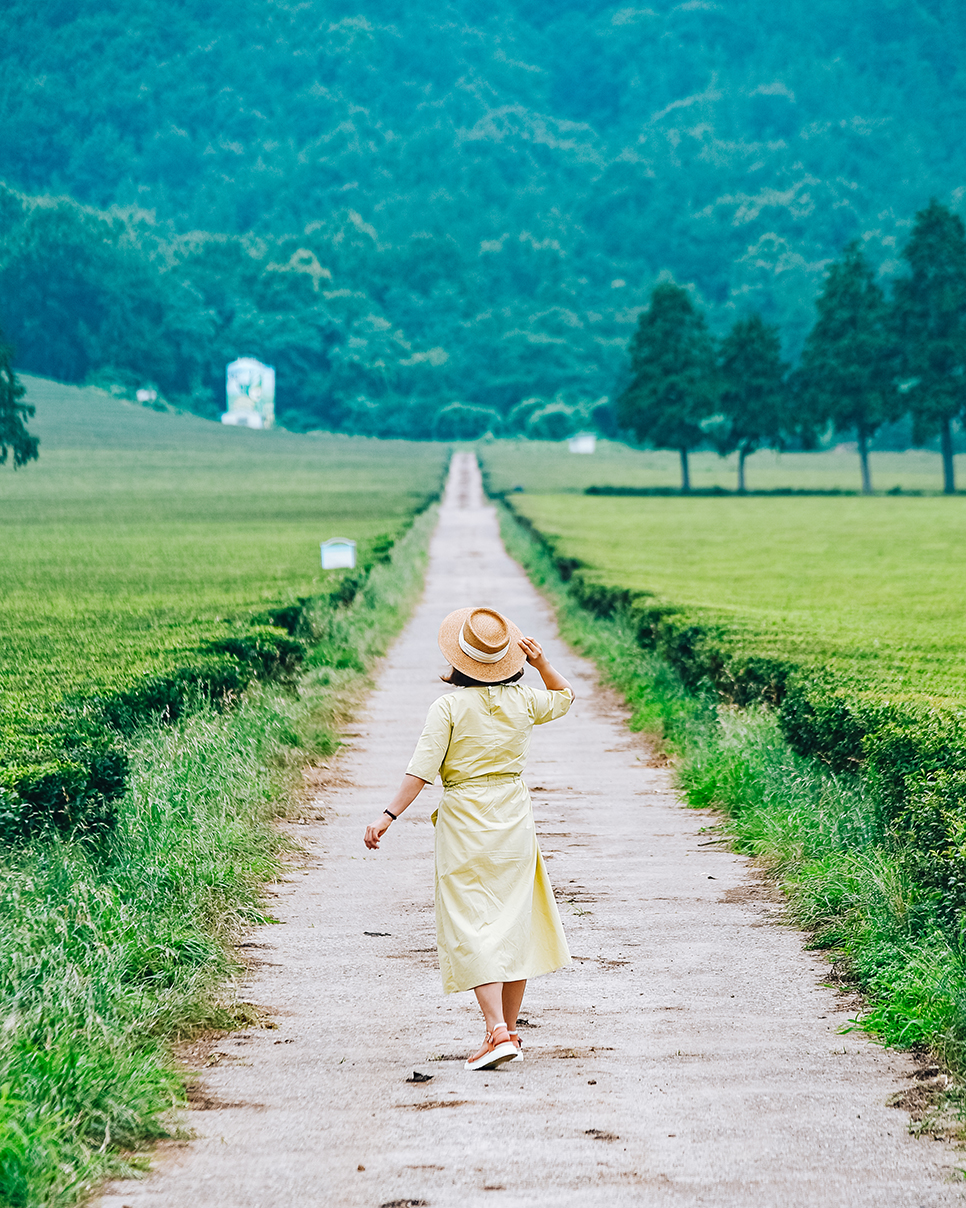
(490, 998)
(512, 1001)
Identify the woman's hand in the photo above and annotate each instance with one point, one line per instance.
(552, 678)
(533, 650)
(409, 790)
(375, 832)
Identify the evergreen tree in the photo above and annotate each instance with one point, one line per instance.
(674, 382)
(929, 308)
(14, 437)
(847, 370)
(753, 395)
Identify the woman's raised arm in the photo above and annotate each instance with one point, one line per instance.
(552, 678)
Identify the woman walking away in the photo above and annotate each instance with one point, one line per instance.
(496, 919)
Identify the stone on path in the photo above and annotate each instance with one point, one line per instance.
(690, 1056)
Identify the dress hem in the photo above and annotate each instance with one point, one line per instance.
(449, 989)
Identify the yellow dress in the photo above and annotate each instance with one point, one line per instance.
(496, 918)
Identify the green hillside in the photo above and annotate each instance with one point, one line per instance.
(408, 204)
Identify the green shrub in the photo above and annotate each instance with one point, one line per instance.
(78, 767)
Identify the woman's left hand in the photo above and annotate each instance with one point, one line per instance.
(375, 832)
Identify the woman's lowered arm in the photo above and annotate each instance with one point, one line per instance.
(409, 790)
(552, 678)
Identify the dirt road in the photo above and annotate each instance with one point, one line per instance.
(690, 1056)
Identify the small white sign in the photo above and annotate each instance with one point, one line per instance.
(338, 553)
(583, 442)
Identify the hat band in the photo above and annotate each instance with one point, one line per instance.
(480, 656)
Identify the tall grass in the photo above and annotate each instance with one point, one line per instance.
(824, 838)
(113, 947)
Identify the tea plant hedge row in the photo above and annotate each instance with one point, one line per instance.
(154, 562)
(64, 763)
(910, 748)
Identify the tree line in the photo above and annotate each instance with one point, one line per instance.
(870, 358)
(441, 202)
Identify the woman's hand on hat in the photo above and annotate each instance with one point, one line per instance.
(552, 678)
(376, 830)
(533, 650)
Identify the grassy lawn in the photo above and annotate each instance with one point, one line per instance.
(138, 535)
(545, 467)
(876, 586)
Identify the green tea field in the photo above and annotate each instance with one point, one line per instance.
(873, 585)
(803, 658)
(139, 538)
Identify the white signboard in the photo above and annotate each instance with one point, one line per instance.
(338, 553)
(583, 442)
(249, 394)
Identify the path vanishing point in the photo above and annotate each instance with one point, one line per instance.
(690, 1056)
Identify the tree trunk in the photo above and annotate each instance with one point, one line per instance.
(949, 468)
(864, 462)
(685, 472)
(742, 454)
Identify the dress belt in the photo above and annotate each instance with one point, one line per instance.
(490, 777)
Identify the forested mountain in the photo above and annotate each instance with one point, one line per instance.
(406, 204)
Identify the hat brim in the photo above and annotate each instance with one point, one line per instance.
(489, 673)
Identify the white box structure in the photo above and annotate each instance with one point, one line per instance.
(338, 553)
(249, 394)
(583, 442)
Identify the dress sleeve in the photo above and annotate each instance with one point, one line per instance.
(433, 742)
(549, 705)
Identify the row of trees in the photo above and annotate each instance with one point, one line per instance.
(869, 359)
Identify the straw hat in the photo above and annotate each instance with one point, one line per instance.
(482, 644)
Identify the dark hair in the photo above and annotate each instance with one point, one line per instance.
(459, 680)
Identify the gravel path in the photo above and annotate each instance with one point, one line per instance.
(691, 1054)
